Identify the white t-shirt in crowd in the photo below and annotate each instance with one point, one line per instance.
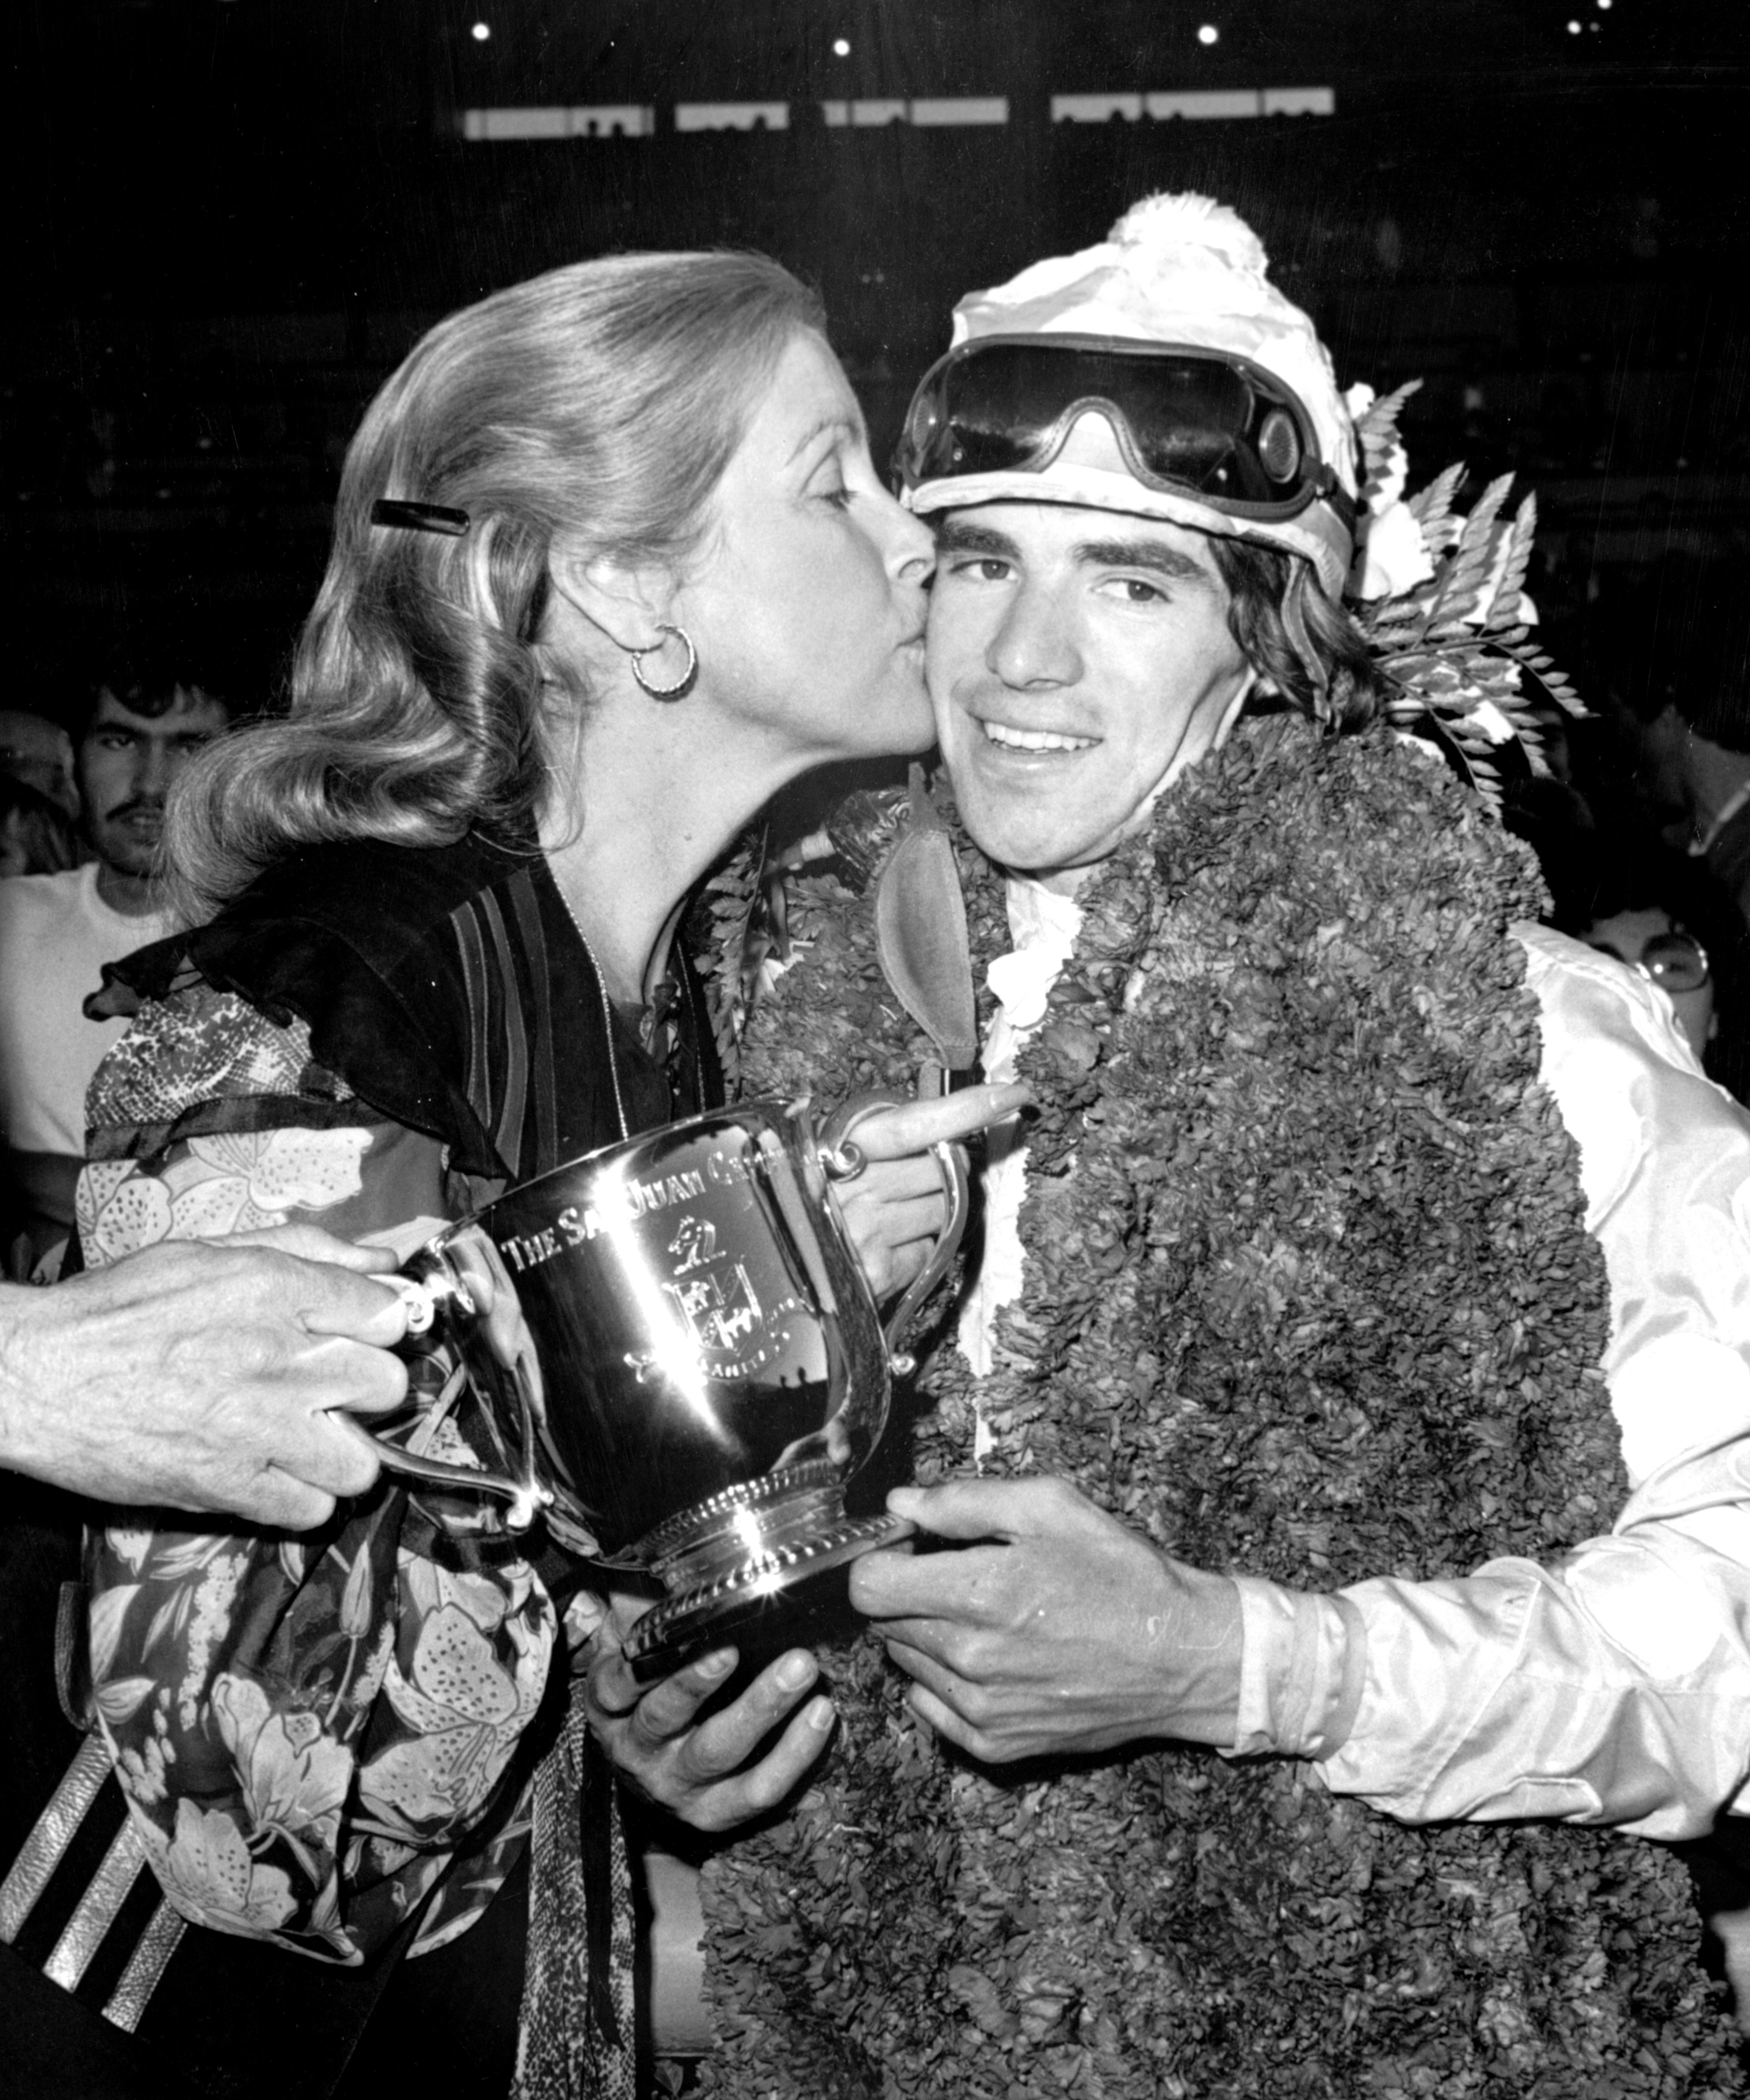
(55, 935)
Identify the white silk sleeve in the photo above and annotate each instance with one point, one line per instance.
(1613, 1686)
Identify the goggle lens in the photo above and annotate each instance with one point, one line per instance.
(1279, 446)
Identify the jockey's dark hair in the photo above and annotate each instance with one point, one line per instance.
(1273, 591)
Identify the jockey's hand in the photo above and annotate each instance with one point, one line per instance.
(708, 1772)
(1055, 1630)
(896, 1208)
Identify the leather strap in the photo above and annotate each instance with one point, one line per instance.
(921, 934)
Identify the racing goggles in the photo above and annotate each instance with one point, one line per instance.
(1194, 422)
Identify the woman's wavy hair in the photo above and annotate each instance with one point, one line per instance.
(602, 403)
(1307, 649)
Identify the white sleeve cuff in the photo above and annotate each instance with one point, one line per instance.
(1303, 1667)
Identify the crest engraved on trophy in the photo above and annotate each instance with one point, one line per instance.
(735, 1334)
(678, 1361)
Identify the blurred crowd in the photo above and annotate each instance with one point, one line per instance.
(82, 820)
(1643, 830)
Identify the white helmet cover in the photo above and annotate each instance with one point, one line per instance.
(1173, 270)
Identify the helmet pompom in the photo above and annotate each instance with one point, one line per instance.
(1169, 223)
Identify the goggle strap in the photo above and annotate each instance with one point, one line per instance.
(1332, 491)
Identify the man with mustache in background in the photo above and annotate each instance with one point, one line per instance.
(57, 931)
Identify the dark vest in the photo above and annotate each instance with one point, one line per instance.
(452, 991)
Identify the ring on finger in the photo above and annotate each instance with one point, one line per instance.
(845, 1162)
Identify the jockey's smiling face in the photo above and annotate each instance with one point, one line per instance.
(1079, 659)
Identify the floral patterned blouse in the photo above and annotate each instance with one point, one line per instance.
(315, 1733)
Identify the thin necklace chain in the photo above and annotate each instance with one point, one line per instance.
(607, 1010)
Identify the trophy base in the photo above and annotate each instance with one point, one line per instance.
(729, 1558)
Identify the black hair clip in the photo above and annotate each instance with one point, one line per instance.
(420, 516)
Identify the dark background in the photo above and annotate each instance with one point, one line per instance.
(229, 218)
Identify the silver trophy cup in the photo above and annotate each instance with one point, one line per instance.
(678, 1359)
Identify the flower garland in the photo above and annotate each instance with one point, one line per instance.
(1315, 1304)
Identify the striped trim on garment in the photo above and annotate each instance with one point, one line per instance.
(97, 1910)
(511, 1032)
(47, 1846)
(512, 1088)
(542, 1080)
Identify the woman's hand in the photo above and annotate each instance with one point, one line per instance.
(210, 1376)
(896, 1208)
(700, 1770)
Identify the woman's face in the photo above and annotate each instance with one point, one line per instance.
(807, 604)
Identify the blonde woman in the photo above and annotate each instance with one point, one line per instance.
(611, 565)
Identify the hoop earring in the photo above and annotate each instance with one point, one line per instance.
(683, 685)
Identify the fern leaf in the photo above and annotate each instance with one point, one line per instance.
(734, 944)
(1376, 434)
(1380, 420)
(1474, 769)
(1459, 589)
(1432, 506)
(1504, 606)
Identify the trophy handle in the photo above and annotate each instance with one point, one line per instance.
(951, 1163)
(524, 1500)
(842, 1159)
(523, 1495)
